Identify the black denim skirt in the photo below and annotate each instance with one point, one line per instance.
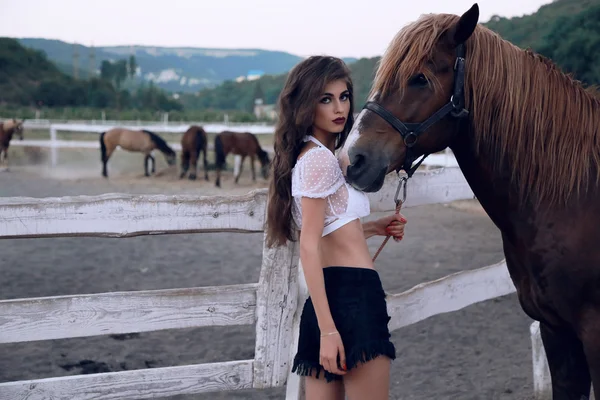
(358, 307)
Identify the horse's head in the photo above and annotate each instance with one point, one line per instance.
(19, 128)
(14, 127)
(265, 162)
(416, 102)
(170, 156)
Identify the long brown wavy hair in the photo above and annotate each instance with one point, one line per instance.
(297, 104)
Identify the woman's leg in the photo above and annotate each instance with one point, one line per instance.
(320, 389)
(370, 380)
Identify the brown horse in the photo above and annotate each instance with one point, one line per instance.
(136, 141)
(243, 144)
(193, 142)
(527, 139)
(7, 129)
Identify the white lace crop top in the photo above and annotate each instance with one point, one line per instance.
(317, 174)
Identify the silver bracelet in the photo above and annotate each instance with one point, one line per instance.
(329, 334)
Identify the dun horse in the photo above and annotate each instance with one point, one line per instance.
(193, 142)
(135, 141)
(527, 139)
(7, 129)
(243, 144)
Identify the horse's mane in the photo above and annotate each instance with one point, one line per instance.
(526, 114)
(160, 142)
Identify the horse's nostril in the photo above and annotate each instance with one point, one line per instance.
(359, 161)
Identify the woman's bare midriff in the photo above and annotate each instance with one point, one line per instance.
(346, 247)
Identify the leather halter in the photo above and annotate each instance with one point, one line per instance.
(410, 132)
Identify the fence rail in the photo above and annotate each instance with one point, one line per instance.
(273, 304)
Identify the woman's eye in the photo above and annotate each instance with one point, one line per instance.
(344, 97)
(325, 100)
(419, 80)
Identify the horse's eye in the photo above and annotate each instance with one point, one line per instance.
(419, 80)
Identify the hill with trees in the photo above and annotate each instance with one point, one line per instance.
(175, 69)
(28, 78)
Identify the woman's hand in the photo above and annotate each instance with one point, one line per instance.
(392, 225)
(331, 346)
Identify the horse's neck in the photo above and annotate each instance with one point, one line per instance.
(6, 134)
(492, 189)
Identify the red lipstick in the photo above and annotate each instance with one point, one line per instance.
(339, 121)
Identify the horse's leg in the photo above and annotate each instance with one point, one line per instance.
(568, 367)
(252, 168)
(153, 162)
(194, 162)
(185, 163)
(590, 336)
(146, 173)
(2, 157)
(205, 165)
(237, 178)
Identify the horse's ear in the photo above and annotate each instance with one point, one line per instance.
(465, 26)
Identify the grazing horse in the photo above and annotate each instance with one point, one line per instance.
(135, 141)
(193, 142)
(243, 144)
(527, 139)
(7, 129)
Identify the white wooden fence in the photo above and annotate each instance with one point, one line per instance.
(273, 304)
(85, 127)
(54, 144)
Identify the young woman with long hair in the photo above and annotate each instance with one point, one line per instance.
(344, 347)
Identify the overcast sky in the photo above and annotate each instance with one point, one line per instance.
(348, 28)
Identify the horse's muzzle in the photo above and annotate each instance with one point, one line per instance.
(365, 172)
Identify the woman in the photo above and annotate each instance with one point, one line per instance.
(344, 346)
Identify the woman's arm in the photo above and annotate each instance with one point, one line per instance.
(331, 347)
(313, 217)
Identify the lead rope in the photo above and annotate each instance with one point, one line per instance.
(401, 184)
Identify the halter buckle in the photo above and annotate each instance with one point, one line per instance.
(410, 139)
(458, 110)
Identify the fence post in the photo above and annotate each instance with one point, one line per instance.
(53, 146)
(295, 384)
(276, 304)
(542, 382)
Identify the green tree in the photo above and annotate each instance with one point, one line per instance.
(132, 66)
(107, 71)
(120, 72)
(574, 44)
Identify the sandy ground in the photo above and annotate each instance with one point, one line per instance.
(481, 352)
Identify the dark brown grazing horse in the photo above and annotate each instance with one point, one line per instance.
(243, 144)
(7, 129)
(136, 141)
(193, 142)
(527, 139)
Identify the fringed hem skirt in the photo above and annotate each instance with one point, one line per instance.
(358, 307)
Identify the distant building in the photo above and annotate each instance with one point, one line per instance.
(264, 111)
(254, 74)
